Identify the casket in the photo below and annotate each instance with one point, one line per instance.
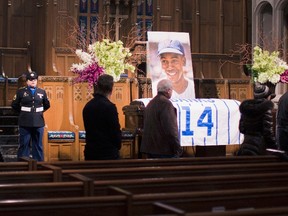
(201, 122)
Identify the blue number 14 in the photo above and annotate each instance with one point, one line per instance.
(200, 123)
(209, 124)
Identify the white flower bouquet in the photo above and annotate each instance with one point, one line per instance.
(268, 67)
(102, 57)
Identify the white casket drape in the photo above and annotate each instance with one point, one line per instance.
(207, 121)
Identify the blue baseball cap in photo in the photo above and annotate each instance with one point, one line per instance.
(170, 46)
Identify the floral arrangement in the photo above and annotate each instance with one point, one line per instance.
(268, 67)
(102, 57)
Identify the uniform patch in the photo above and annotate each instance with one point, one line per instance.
(40, 95)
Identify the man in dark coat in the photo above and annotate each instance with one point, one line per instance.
(100, 116)
(256, 122)
(31, 102)
(282, 123)
(160, 133)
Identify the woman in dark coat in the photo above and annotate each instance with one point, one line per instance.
(256, 122)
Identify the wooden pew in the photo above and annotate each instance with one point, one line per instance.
(198, 183)
(249, 178)
(160, 208)
(161, 162)
(142, 204)
(96, 206)
(80, 186)
(186, 170)
(248, 212)
(138, 184)
(29, 176)
(208, 200)
(51, 174)
(54, 173)
(43, 190)
(28, 164)
(83, 186)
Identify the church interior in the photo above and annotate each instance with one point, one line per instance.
(43, 36)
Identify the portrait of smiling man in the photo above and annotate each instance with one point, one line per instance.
(172, 64)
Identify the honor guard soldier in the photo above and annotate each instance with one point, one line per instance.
(31, 102)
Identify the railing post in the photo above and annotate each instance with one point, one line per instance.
(6, 91)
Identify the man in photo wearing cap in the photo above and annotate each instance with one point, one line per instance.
(256, 122)
(31, 102)
(173, 61)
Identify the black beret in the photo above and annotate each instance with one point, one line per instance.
(261, 91)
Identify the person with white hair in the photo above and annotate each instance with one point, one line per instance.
(160, 132)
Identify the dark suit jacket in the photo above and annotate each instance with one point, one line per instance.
(160, 132)
(103, 134)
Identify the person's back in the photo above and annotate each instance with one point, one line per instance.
(282, 122)
(100, 116)
(160, 132)
(256, 123)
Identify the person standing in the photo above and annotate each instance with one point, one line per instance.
(160, 132)
(282, 123)
(256, 122)
(101, 122)
(173, 60)
(31, 101)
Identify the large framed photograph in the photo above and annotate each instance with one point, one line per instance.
(169, 57)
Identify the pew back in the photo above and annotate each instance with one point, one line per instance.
(142, 204)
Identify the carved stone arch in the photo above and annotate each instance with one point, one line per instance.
(281, 26)
(280, 5)
(264, 29)
(260, 5)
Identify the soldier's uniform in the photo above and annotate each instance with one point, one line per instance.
(31, 103)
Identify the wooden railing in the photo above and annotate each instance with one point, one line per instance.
(13, 63)
(8, 88)
(68, 100)
(64, 118)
